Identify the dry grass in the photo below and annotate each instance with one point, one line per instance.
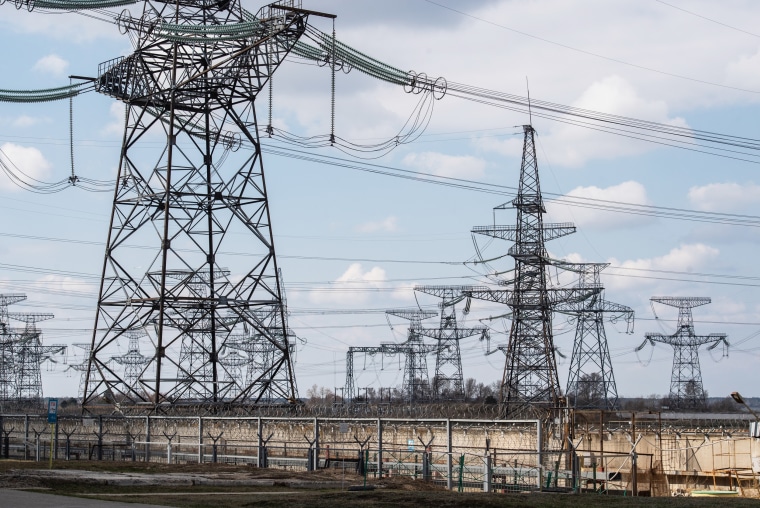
(392, 492)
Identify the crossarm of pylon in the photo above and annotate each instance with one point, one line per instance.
(551, 231)
(453, 334)
(613, 311)
(682, 302)
(685, 340)
(555, 296)
(443, 291)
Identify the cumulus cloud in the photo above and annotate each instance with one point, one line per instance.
(453, 166)
(572, 146)
(25, 162)
(351, 286)
(685, 258)
(626, 192)
(51, 64)
(744, 72)
(725, 197)
(389, 224)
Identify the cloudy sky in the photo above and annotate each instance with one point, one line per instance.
(349, 239)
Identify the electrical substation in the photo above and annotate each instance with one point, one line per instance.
(211, 352)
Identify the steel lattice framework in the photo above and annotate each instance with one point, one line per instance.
(686, 389)
(448, 382)
(416, 385)
(530, 379)
(7, 339)
(591, 381)
(133, 360)
(29, 354)
(194, 89)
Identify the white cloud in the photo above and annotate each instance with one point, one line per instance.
(51, 64)
(29, 121)
(744, 72)
(388, 224)
(572, 146)
(27, 160)
(352, 286)
(453, 166)
(725, 197)
(626, 192)
(686, 258)
(116, 126)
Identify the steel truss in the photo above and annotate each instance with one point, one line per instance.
(530, 383)
(686, 389)
(190, 179)
(448, 382)
(591, 381)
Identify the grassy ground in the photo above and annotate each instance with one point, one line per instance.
(395, 492)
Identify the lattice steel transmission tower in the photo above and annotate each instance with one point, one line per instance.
(448, 382)
(192, 82)
(686, 390)
(7, 340)
(416, 384)
(530, 383)
(133, 361)
(29, 354)
(591, 381)
(81, 367)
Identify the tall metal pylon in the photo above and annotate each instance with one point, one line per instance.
(416, 385)
(191, 83)
(133, 360)
(591, 381)
(448, 382)
(29, 354)
(530, 383)
(7, 340)
(686, 389)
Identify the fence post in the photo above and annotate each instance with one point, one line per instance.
(260, 443)
(200, 440)
(56, 441)
(449, 468)
(26, 437)
(147, 439)
(461, 472)
(488, 472)
(539, 455)
(315, 455)
(379, 448)
(100, 437)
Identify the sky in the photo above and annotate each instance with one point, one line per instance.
(352, 243)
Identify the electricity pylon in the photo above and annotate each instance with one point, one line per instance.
(29, 354)
(448, 382)
(530, 383)
(191, 83)
(133, 360)
(416, 385)
(686, 390)
(591, 381)
(7, 339)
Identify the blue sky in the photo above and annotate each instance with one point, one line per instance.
(643, 59)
